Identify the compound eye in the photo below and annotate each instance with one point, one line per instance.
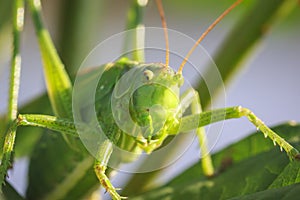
(148, 74)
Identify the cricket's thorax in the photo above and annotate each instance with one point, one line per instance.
(155, 105)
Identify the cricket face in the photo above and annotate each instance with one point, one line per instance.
(155, 105)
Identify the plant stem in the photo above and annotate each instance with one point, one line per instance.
(9, 141)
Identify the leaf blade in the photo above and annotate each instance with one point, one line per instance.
(251, 172)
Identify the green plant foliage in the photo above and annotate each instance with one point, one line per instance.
(249, 166)
(283, 193)
(9, 193)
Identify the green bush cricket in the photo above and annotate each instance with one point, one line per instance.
(160, 86)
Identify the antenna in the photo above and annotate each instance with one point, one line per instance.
(227, 11)
(164, 25)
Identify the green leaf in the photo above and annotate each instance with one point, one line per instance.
(55, 169)
(250, 146)
(290, 175)
(249, 166)
(9, 193)
(283, 193)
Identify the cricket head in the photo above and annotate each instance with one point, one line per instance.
(155, 105)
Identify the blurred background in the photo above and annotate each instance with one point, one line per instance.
(268, 82)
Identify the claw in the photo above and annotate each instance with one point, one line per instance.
(294, 154)
(297, 157)
(116, 196)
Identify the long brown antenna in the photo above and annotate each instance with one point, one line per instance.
(164, 25)
(206, 32)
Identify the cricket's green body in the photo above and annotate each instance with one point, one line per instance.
(154, 105)
(105, 87)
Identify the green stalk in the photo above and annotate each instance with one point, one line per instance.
(59, 86)
(136, 35)
(58, 83)
(9, 141)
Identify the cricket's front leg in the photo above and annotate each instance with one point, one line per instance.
(63, 126)
(66, 126)
(100, 167)
(191, 99)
